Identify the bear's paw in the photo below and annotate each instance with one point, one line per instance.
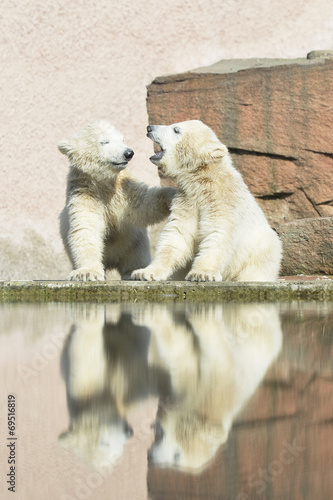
(148, 274)
(86, 274)
(203, 276)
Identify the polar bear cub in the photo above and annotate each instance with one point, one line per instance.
(215, 223)
(104, 223)
(216, 356)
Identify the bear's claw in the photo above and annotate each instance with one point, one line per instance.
(142, 275)
(203, 276)
(84, 274)
(147, 274)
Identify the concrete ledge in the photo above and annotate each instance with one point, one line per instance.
(162, 291)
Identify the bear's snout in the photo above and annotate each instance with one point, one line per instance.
(129, 153)
(151, 131)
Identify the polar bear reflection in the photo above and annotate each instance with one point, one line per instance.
(104, 365)
(203, 361)
(216, 356)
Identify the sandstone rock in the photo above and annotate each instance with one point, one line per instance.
(307, 246)
(320, 54)
(275, 116)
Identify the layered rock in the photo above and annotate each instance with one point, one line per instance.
(307, 246)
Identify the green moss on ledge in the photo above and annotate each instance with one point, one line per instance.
(163, 291)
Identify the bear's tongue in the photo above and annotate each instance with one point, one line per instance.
(157, 156)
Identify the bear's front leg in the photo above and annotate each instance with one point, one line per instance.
(213, 254)
(150, 205)
(175, 245)
(85, 240)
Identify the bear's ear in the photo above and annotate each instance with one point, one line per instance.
(65, 147)
(213, 151)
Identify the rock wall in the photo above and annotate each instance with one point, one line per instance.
(276, 118)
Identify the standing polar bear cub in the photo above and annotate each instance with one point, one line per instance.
(215, 222)
(107, 211)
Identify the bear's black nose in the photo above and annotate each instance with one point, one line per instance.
(128, 154)
(128, 430)
(158, 431)
(150, 457)
(149, 128)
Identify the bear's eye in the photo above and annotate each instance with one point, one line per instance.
(176, 130)
(104, 141)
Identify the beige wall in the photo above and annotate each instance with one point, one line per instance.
(66, 63)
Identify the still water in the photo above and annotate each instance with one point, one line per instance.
(166, 401)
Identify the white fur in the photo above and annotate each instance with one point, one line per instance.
(104, 223)
(204, 361)
(215, 223)
(104, 371)
(216, 357)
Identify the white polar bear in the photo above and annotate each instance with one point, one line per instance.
(215, 222)
(216, 356)
(104, 223)
(98, 430)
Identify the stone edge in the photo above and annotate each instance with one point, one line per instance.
(164, 291)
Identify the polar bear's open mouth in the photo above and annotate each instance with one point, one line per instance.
(156, 158)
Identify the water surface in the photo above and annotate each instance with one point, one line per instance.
(167, 401)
